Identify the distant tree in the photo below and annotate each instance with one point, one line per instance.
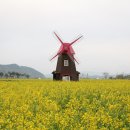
(111, 77)
(6, 75)
(9, 74)
(87, 76)
(27, 76)
(14, 75)
(106, 75)
(22, 75)
(127, 77)
(120, 76)
(1, 74)
(18, 74)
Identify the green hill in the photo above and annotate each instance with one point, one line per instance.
(21, 69)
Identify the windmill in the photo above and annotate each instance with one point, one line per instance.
(66, 61)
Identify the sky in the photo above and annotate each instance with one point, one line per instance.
(27, 38)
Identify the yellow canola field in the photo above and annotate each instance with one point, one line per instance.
(48, 105)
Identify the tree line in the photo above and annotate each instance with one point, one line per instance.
(13, 75)
(106, 75)
(118, 76)
(121, 76)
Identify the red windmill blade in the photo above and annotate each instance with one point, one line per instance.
(66, 48)
(72, 57)
(58, 38)
(75, 40)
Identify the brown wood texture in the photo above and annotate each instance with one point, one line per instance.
(62, 70)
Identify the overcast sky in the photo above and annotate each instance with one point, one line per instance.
(26, 33)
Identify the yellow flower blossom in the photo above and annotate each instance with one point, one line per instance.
(48, 105)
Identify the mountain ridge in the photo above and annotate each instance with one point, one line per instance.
(33, 73)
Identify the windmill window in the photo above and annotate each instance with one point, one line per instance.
(66, 63)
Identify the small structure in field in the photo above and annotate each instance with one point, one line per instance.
(66, 68)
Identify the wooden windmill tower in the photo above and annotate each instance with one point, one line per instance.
(66, 62)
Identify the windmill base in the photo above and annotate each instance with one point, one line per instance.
(59, 77)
